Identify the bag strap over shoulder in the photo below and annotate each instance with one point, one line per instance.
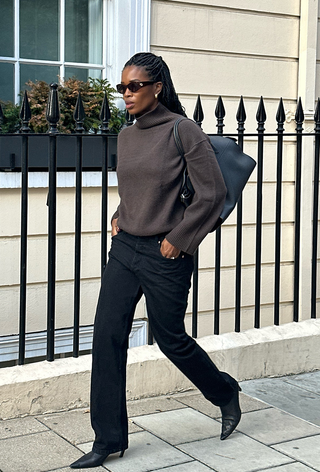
(177, 138)
(187, 190)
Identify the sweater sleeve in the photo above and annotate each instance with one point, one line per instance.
(210, 190)
(115, 215)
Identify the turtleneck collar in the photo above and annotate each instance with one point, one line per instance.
(155, 117)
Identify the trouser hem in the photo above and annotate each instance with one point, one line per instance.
(103, 452)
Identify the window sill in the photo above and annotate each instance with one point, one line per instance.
(64, 179)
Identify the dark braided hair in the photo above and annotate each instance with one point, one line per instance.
(158, 71)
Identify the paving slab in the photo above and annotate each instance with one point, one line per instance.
(309, 381)
(180, 426)
(68, 469)
(38, 452)
(193, 466)
(306, 450)
(147, 406)
(85, 447)
(238, 453)
(293, 467)
(146, 452)
(72, 425)
(133, 428)
(198, 402)
(20, 427)
(271, 426)
(298, 401)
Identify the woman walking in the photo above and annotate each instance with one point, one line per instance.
(154, 238)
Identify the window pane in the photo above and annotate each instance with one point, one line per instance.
(82, 74)
(6, 81)
(39, 29)
(84, 31)
(34, 72)
(6, 28)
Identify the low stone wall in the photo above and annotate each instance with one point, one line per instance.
(65, 383)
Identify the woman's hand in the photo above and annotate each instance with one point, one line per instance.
(168, 251)
(114, 227)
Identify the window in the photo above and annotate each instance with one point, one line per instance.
(42, 40)
(46, 40)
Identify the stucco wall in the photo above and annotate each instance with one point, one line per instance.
(230, 49)
(37, 267)
(250, 49)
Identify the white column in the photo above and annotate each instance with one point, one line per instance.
(62, 38)
(307, 92)
(128, 32)
(16, 51)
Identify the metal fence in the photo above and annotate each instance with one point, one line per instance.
(260, 137)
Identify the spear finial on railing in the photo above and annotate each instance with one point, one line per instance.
(105, 115)
(299, 116)
(241, 115)
(198, 114)
(261, 116)
(220, 114)
(53, 110)
(79, 114)
(280, 116)
(25, 114)
(317, 117)
(129, 120)
(1, 117)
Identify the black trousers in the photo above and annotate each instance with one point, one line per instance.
(136, 267)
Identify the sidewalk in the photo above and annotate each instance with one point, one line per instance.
(279, 432)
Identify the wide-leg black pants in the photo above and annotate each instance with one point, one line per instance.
(136, 267)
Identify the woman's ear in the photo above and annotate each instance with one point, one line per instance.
(158, 88)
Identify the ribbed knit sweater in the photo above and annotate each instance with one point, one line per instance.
(150, 171)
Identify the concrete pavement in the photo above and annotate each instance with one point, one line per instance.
(279, 432)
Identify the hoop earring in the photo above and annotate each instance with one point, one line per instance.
(156, 96)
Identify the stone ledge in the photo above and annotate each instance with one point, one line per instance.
(65, 383)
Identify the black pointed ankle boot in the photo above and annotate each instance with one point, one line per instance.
(92, 459)
(231, 414)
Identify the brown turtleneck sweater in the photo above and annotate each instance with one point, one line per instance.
(150, 172)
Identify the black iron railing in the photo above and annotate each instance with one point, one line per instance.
(106, 162)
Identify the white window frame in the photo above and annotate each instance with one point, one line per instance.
(126, 30)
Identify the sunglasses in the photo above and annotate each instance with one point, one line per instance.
(132, 86)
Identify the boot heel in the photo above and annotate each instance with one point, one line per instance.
(121, 453)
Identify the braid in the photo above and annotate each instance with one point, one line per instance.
(158, 71)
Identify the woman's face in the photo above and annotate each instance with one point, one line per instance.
(144, 100)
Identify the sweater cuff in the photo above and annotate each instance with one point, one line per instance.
(114, 216)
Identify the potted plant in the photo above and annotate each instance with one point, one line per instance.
(92, 94)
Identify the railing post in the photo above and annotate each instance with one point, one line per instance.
(315, 219)
(241, 118)
(299, 117)
(79, 116)
(25, 115)
(53, 116)
(280, 117)
(261, 118)
(220, 114)
(198, 117)
(104, 117)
